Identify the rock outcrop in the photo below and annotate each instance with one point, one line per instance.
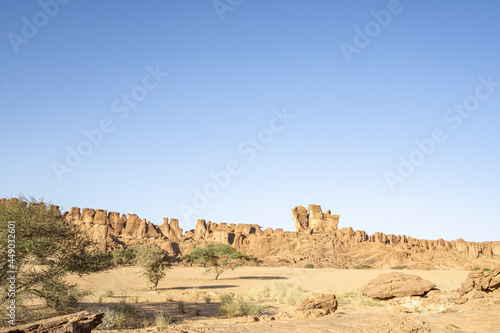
(80, 322)
(314, 221)
(481, 281)
(396, 284)
(316, 305)
(318, 241)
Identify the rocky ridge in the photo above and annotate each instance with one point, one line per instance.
(318, 240)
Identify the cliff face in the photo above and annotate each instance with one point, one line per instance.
(317, 240)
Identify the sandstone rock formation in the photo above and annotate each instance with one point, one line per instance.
(396, 284)
(318, 241)
(80, 322)
(314, 221)
(320, 303)
(481, 281)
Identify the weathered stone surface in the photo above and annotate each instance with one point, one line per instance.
(327, 303)
(481, 281)
(80, 322)
(201, 229)
(300, 215)
(314, 221)
(396, 284)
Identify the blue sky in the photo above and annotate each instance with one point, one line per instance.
(289, 102)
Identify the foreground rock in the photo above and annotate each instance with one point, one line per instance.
(396, 284)
(80, 322)
(481, 282)
(317, 305)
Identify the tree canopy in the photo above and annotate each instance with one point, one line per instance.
(217, 257)
(39, 249)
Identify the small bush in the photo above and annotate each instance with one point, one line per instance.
(400, 267)
(356, 298)
(235, 307)
(362, 266)
(195, 294)
(487, 269)
(127, 309)
(104, 292)
(162, 321)
(181, 307)
(117, 317)
(309, 266)
(476, 269)
(283, 261)
(207, 299)
(290, 294)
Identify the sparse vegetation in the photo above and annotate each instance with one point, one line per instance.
(217, 257)
(123, 257)
(181, 307)
(232, 306)
(103, 292)
(309, 266)
(290, 294)
(401, 267)
(362, 266)
(195, 294)
(481, 269)
(117, 317)
(207, 299)
(356, 298)
(153, 261)
(162, 321)
(283, 261)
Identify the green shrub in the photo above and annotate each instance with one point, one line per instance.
(362, 266)
(123, 257)
(309, 266)
(283, 261)
(400, 267)
(487, 269)
(117, 317)
(217, 257)
(235, 307)
(43, 237)
(153, 261)
(476, 269)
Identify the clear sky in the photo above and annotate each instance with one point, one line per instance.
(385, 112)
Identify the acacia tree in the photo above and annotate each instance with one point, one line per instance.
(153, 261)
(217, 257)
(38, 249)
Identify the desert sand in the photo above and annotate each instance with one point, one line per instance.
(191, 285)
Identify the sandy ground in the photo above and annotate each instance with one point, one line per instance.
(128, 280)
(192, 285)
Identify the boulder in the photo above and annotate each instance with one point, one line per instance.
(317, 305)
(396, 284)
(80, 322)
(481, 281)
